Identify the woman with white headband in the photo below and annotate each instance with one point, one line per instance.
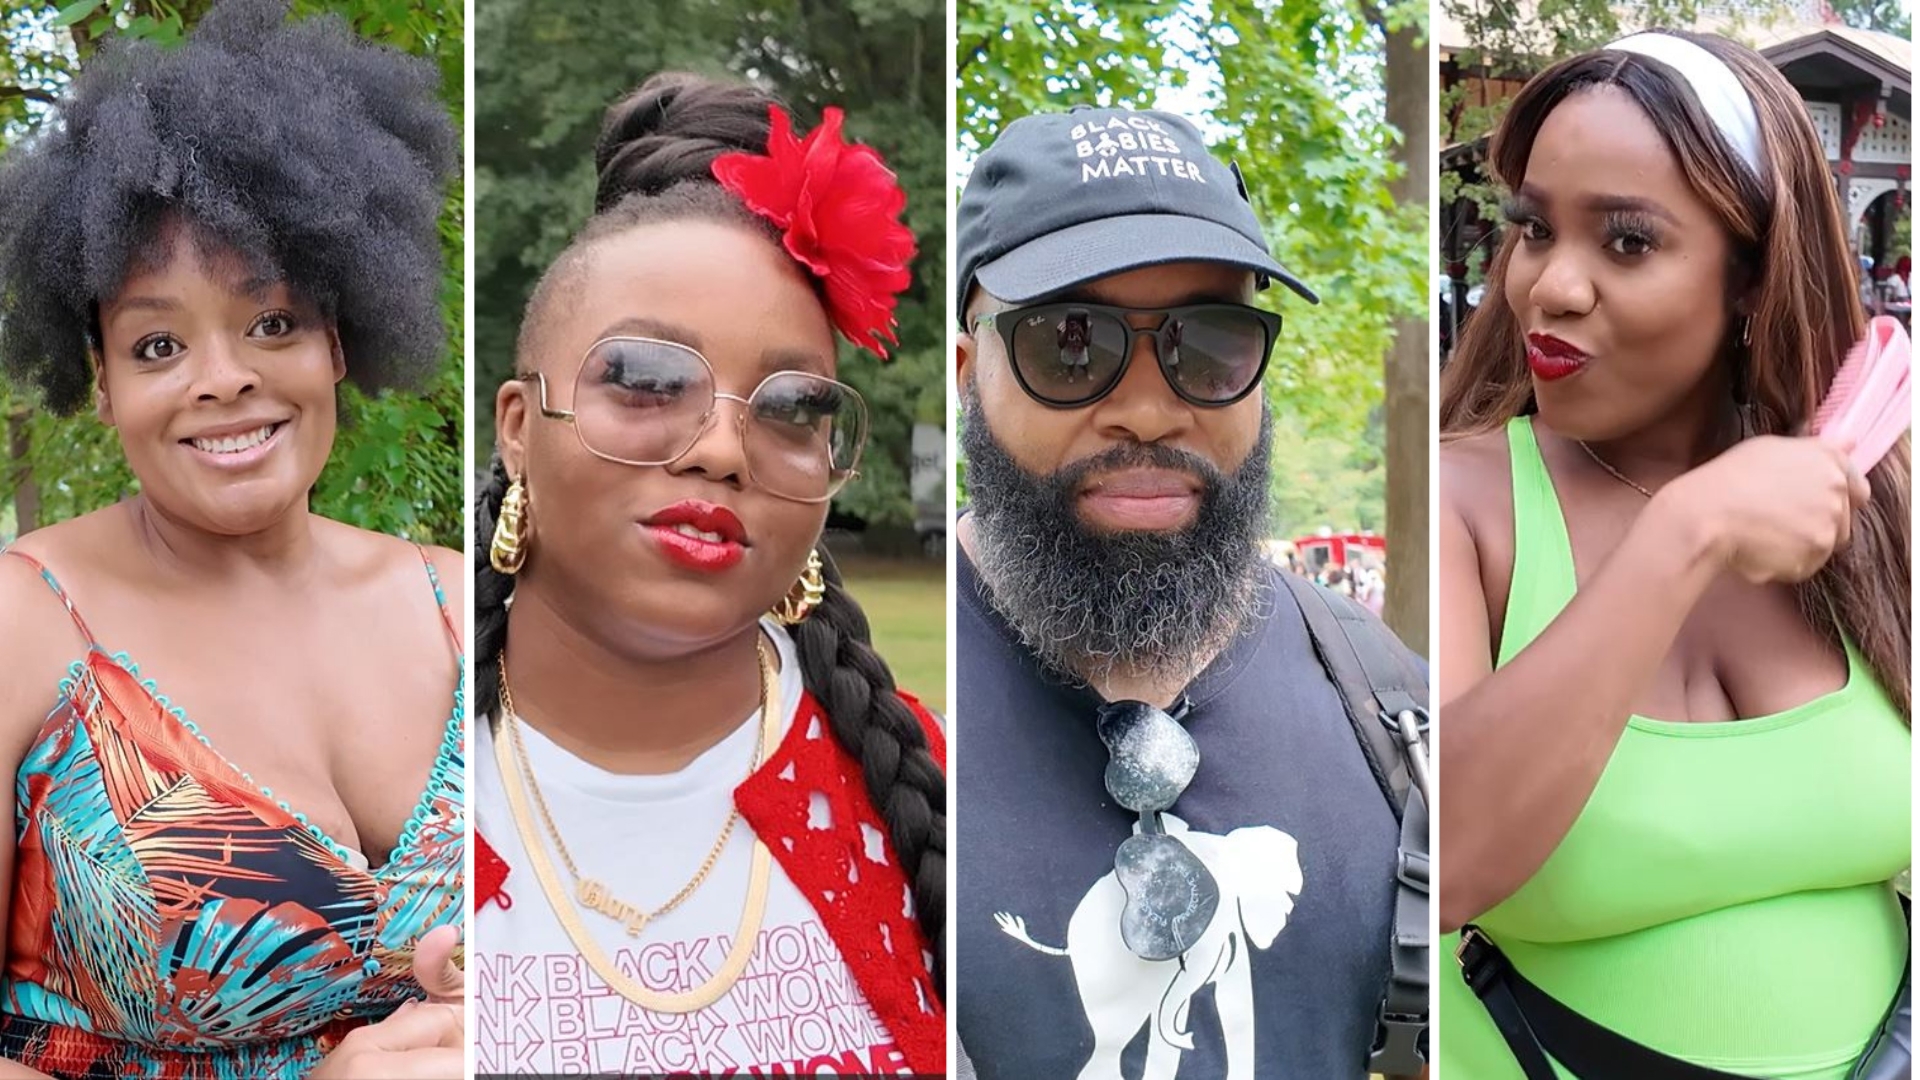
(1675, 631)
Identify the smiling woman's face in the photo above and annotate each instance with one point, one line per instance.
(617, 544)
(221, 387)
(1620, 275)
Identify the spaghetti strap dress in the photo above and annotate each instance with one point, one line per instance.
(170, 917)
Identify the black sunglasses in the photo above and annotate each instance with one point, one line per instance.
(1171, 895)
(1066, 353)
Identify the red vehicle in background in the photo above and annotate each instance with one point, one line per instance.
(1339, 549)
(1352, 564)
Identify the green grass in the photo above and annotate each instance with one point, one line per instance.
(906, 600)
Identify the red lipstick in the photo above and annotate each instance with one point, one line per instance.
(698, 535)
(1552, 359)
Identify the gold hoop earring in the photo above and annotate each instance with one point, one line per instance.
(806, 594)
(510, 534)
(1746, 332)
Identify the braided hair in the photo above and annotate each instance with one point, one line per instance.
(654, 156)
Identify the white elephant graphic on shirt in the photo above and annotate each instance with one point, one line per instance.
(1258, 871)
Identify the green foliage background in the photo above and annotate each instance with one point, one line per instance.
(545, 73)
(1295, 93)
(397, 462)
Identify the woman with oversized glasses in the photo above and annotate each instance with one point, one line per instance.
(704, 808)
(234, 729)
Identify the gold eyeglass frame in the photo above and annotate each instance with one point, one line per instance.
(851, 473)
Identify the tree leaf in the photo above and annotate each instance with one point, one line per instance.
(73, 13)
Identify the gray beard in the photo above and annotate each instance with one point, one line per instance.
(1090, 603)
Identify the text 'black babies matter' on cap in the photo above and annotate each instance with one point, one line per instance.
(1061, 199)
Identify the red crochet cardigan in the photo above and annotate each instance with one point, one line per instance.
(775, 801)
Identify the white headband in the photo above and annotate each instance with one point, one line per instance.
(1714, 85)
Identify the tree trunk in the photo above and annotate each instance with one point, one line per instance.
(1409, 447)
(26, 493)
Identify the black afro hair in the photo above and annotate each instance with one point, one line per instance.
(316, 156)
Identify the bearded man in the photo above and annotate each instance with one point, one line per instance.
(1175, 856)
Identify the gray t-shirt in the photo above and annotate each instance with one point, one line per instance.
(1288, 978)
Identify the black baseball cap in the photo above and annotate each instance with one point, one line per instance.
(1061, 199)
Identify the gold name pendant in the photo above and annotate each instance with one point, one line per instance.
(595, 896)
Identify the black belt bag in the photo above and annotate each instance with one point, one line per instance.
(1536, 1026)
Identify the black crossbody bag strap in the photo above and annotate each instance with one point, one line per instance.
(1386, 704)
(1536, 1024)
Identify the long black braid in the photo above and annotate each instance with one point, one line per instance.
(856, 688)
(655, 152)
(491, 588)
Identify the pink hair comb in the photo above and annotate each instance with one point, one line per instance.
(1870, 402)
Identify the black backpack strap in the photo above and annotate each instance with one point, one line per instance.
(1386, 703)
(1382, 693)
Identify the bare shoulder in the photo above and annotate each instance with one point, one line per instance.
(1476, 526)
(1476, 476)
(39, 640)
(1475, 460)
(79, 545)
(33, 608)
(367, 555)
(395, 566)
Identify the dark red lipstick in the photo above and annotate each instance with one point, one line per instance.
(698, 535)
(1551, 359)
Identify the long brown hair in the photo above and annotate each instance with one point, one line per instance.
(1790, 249)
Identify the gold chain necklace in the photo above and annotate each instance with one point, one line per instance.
(515, 768)
(593, 894)
(1615, 473)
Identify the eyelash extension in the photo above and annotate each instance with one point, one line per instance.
(1522, 214)
(822, 398)
(1625, 225)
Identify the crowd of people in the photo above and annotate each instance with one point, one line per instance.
(1362, 577)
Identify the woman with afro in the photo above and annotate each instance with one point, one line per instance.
(235, 727)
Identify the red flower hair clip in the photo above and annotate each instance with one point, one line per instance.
(839, 207)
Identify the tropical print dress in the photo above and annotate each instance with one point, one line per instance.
(172, 918)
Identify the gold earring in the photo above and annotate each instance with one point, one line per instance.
(1746, 332)
(509, 551)
(805, 595)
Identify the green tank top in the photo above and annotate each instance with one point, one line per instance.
(1724, 896)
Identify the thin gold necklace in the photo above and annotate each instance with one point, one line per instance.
(593, 894)
(510, 757)
(1615, 473)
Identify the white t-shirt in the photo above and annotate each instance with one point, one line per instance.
(541, 1009)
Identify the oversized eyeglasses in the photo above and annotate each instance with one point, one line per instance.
(642, 401)
(1067, 354)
